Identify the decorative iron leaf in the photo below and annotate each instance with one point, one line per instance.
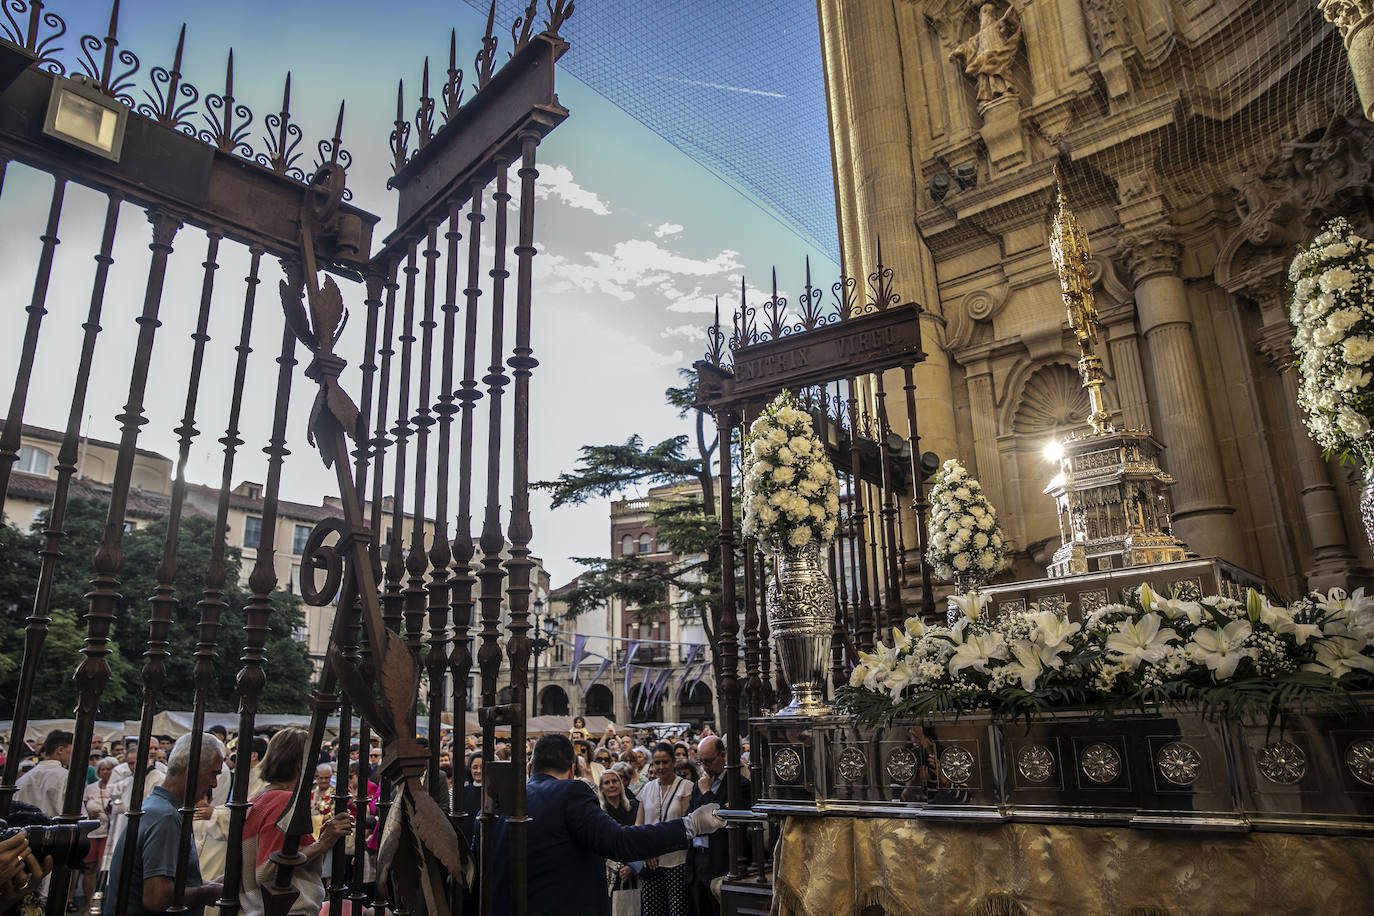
(328, 308)
(343, 409)
(436, 833)
(359, 693)
(398, 677)
(296, 317)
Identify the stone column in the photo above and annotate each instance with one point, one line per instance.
(1330, 563)
(1355, 19)
(1204, 518)
(983, 413)
(1123, 344)
(877, 189)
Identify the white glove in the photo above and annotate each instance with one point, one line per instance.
(703, 821)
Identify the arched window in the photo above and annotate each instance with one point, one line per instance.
(33, 460)
(646, 543)
(599, 701)
(553, 701)
(627, 545)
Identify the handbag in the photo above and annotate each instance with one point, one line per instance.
(625, 902)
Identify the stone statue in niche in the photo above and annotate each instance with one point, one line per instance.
(989, 53)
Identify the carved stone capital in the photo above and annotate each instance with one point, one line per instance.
(1274, 342)
(1149, 252)
(1349, 16)
(1355, 20)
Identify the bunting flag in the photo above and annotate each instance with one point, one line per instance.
(629, 680)
(630, 649)
(605, 663)
(660, 685)
(705, 666)
(579, 653)
(642, 704)
(683, 681)
(687, 668)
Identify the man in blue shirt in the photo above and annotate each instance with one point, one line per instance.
(570, 838)
(150, 887)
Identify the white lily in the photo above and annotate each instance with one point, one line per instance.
(1338, 656)
(1028, 665)
(900, 677)
(1222, 650)
(1053, 632)
(1140, 640)
(915, 627)
(970, 605)
(1174, 608)
(976, 651)
(876, 666)
(1280, 620)
(1147, 596)
(900, 640)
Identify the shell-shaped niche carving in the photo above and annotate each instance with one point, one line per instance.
(1052, 400)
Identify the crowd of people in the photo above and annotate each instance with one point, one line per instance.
(645, 817)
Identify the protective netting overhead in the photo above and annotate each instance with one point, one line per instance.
(738, 87)
(1230, 94)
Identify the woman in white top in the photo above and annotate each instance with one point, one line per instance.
(663, 798)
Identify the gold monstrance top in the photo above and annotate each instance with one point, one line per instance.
(1069, 248)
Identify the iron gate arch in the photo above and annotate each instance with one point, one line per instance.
(195, 161)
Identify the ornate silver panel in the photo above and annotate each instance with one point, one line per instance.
(1059, 603)
(1179, 763)
(1282, 763)
(1090, 601)
(957, 765)
(1012, 607)
(1187, 589)
(852, 764)
(1100, 763)
(787, 764)
(901, 765)
(1035, 763)
(1359, 759)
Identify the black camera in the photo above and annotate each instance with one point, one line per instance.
(67, 843)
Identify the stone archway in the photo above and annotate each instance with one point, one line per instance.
(553, 701)
(599, 701)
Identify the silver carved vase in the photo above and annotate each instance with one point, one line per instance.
(801, 618)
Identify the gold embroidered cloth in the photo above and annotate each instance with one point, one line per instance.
(829, 866)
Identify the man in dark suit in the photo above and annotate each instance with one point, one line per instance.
(569, 839)
(710, 856)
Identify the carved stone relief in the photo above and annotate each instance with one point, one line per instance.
(1052, 400)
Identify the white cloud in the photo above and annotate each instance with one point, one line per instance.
(557, 181)
(635, 267)
(667, 229)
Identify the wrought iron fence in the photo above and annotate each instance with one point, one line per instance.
(197, 165)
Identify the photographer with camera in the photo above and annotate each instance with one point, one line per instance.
(150, 887)
(21, 871)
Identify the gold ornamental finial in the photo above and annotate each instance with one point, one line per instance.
(1070, 250)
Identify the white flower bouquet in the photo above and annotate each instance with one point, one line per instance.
(1333, 317)
(791, 493)
(963, 537)
(1235, 659)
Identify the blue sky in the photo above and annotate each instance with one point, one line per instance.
(635, 241)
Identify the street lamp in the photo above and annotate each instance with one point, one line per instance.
(538, 645)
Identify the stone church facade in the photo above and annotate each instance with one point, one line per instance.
(1201, 141)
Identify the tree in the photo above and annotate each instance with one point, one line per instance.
(686, 523)
(287, 667)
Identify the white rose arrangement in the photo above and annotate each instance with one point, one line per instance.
(1235, 659)
(964, 541)
(1333, 320)
(791, 493)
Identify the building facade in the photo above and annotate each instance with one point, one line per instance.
(665, 640)
(34, 481)
(1201, 141)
